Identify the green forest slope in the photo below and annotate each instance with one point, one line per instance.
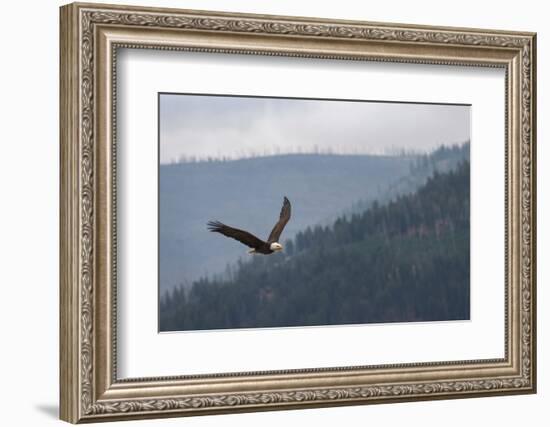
(407, 260)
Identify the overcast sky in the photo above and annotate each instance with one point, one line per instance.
(193, 126)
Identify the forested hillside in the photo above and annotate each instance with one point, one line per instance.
(406, 260)
(422, 166)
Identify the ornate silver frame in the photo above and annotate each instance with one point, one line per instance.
(90, 36)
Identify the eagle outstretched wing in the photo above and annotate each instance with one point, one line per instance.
(242, 236)
(284, 217)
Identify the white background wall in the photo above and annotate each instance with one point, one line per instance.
(29, 171)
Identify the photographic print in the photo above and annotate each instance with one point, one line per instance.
(278, 212)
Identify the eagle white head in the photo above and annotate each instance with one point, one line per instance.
(275, 247)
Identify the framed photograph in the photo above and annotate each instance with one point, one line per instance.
(267, 212)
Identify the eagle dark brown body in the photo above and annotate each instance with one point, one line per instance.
(258, 246)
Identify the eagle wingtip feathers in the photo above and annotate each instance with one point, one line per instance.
(214, 225)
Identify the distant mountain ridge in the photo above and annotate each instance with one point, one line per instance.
(248, 194)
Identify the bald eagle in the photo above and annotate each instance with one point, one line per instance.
(258, 246)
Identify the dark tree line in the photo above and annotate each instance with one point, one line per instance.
(406, 260)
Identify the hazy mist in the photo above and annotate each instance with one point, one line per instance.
(197, 127)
